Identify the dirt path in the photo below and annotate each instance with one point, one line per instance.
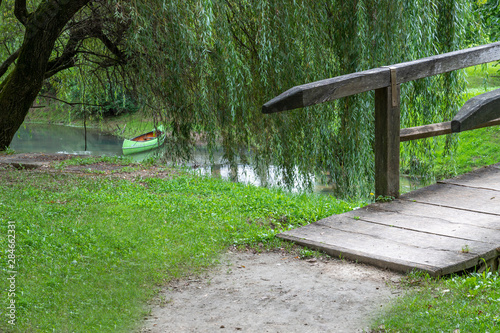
(273, 292)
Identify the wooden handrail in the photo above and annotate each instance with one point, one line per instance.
(351, 84)
(476, 111)
(480, 112)
(428, 131)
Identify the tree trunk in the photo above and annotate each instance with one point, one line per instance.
(19, 89)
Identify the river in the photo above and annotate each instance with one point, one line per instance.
(43, 138)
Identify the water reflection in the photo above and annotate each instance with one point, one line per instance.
(41, 138)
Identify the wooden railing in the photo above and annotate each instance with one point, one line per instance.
(480, 111)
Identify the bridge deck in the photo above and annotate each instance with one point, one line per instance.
(442, 229)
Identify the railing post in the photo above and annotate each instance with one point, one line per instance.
(387, 127)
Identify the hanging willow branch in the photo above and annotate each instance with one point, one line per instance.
(213, 63)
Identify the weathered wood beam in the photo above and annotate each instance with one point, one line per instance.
(447, 62)
(427, 131)
(355, 83)
(476, 111)
(387, 123)
(328, 90)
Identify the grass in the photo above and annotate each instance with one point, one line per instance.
(476, 148)
(482, 78)
(469, 303)
(479, 147)
(120, 160)
(91, 251)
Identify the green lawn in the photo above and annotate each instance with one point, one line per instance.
(91, 251)
(458, 304)
(475, 148)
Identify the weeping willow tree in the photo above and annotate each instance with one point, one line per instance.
(205, 67)
(212, 64)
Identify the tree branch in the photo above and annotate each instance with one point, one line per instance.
(8, 62)
(77, 33)
(243, 28)
(112, 47)
(69, 103)
(71, 63)
(21, 11)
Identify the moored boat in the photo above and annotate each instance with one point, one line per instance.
(144, 142)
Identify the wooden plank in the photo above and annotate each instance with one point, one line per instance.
(405, 219)
(426, 229)
(416, 239)
(483, 178)
(476, 111)
(309, 237)
(432, 218)
(387, 124)
(447, 62)
(460, 197)
(425, 131)
(382, 253)
(355, 83)
(493, 122)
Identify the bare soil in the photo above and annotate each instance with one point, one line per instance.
(47, 162)
(275, 292)
(248, 291)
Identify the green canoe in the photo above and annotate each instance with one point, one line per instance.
(144, 142)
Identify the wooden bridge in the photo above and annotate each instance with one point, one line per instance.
(448, 227)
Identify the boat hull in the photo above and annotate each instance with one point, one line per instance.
(144, 142)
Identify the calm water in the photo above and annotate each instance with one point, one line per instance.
(42, 138)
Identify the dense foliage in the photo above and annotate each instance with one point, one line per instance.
(214, 63)
(207, 66)
(487, 12)
(50, 36)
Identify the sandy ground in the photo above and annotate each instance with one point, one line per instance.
(274, 292)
